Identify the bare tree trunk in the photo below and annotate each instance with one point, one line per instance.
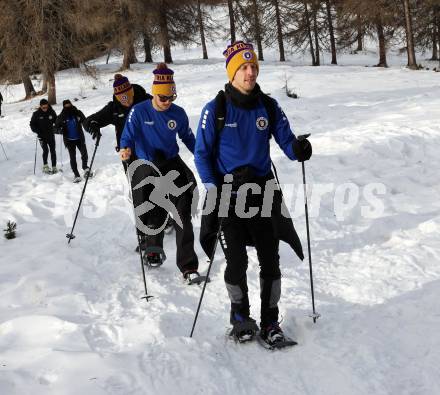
(51, 88)
(412, 63)
(129, 55)
(108, 56)
(231, 19)
(382, 44)
(28, 87)
(44, 85)
(165, 36)
(128, 40)
(315, 32)
(332, 34)
(202, 30)
(360, 33)
(147, 48)
(257, 30)
(309, 33)
(434, 43)
(437, 23)
(279, 31)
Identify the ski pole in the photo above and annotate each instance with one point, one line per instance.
(3, 148)
(314, 315)
(61, 152)
(35, 160)
(70, 235)
(146, 297)
(207, 274)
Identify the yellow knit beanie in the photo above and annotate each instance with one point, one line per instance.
(163, 83)
(238, 54)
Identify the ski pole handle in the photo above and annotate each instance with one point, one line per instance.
(303, 136)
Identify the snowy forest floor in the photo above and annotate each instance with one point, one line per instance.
(71, 318)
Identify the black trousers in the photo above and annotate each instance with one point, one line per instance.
(71, 146)
(234, 237)
(46, 145)
(186, 258)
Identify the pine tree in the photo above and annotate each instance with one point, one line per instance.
(10, 231)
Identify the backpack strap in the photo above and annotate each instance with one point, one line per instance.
(220, 116)
(220, 111)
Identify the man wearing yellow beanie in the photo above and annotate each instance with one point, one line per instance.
(233, 139)
(151, 134)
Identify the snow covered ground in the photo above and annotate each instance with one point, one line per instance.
(71, 318)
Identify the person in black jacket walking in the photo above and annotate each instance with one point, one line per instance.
(125, 96)
(42, 123)
(69, 124)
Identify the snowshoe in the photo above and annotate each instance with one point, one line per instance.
(46, 169)
(54, 170)
(244, 329)
(272, 337)
(76, 180)
(143, 244)
(154, 257)
(88, 173)
(193, 277)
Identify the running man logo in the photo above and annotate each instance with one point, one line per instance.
(164, 186)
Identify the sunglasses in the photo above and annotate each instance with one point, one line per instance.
(164, 99)
(44, 107)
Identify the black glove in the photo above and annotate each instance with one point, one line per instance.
(94, 130)
(302, 149)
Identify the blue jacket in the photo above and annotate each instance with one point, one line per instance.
(244, 141)
(72, 128)
(147, 131)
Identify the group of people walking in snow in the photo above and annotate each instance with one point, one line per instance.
(45, 123)
(231, 147)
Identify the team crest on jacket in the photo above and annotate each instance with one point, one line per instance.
(262, 123)
(172, 124)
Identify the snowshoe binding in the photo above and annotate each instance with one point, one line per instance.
(154, 257)
(193, 277)
(272, 337)
(142, 244)
(244, 328)
(88, 173)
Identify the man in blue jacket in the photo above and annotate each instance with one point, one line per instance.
(150, 134)
(69, 124)
(241, 148)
